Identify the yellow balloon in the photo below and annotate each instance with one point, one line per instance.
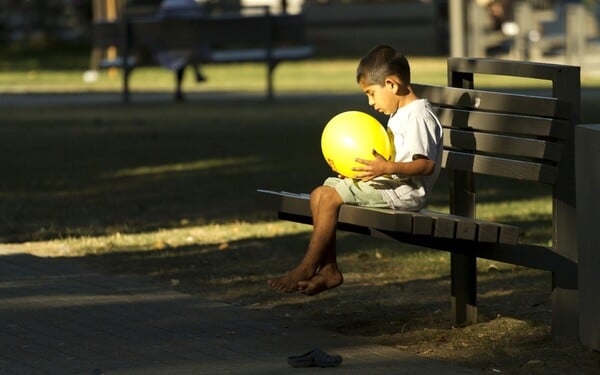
(350, 135)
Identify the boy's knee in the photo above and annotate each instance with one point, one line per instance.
(321, 191)
(326, 195)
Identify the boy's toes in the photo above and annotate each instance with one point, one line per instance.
(302, 285)
(282, 286)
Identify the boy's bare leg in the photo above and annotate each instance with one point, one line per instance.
(325, 203)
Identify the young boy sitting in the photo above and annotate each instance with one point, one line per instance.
(402, 184)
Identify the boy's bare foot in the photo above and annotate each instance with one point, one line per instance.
(328, 277)
(288, 283)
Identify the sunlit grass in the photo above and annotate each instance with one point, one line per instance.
(185, 167)
(309, 76)
(218, 235)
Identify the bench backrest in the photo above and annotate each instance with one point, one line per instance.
(502, 134)
(511, 135)
(233, 30)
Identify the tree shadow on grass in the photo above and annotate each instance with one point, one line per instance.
(90, 170)
(97, 170)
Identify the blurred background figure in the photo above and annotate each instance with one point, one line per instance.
(177, 60)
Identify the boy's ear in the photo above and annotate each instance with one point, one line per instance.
(395, 84)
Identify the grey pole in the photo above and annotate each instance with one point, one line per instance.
(456, 19)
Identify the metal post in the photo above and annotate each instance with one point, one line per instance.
(524, 19)
(566, 86)
(476, 30)
(575, 33)
(463, 268)
(456, 19)
(587, 157)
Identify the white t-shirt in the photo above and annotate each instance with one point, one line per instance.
(414, 130)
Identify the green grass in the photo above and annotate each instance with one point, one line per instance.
(46, 71)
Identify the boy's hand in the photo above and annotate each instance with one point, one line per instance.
(372, 168)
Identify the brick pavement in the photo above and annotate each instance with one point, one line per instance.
(59, 317)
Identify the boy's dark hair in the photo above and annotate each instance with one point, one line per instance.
(381, 62)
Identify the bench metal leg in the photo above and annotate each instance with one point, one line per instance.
(587, 157)
(463, 275)
(270, 71)
(565, 319)
(178, 82)
(125, 31)
(125, 94)
(463, 268)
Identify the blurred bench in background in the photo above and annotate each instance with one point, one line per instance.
(246, 35)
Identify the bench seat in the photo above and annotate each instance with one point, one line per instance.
(260, 54)
(422, 223)
(231, 56)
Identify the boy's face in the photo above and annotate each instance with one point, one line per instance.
(384, 98)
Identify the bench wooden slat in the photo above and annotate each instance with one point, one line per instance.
(491, 101)
(504, 67)
(503, 123)
(258, 54)
(502, 145)
(465, 229)
(508, 234)
(480, 230)
(297, 206)
(385, 219)
(495, 166)
(186, 33)
(487, 232)
(444, 227)
(422, 225)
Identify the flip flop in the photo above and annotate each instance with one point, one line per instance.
(315, 358)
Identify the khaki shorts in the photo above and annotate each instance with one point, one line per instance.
(356, 192)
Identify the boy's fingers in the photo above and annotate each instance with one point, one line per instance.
(377, 154)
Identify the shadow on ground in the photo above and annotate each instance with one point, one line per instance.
(87, 170)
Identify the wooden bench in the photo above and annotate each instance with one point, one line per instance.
(510, 135)
(248, 35)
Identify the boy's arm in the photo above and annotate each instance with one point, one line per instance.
(419, 166)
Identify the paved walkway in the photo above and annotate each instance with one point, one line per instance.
(59, 317)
